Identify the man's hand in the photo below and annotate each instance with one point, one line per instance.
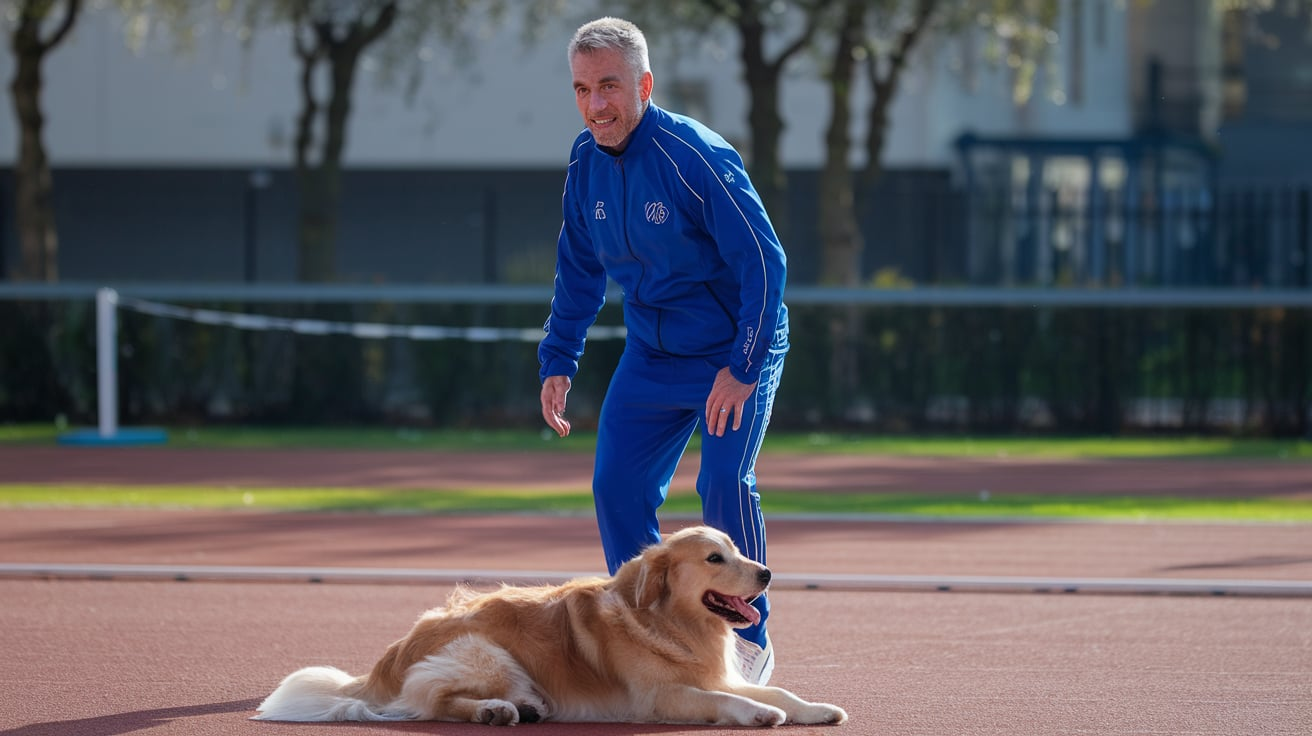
(727, 398)
(554, 390)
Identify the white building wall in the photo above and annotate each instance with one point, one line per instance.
(508, 106)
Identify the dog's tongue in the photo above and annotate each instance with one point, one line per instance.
(748, 611)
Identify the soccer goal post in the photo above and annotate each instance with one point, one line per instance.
(108, 431)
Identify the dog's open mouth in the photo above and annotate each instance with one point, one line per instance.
(731, 608)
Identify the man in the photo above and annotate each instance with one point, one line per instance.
(663, 206)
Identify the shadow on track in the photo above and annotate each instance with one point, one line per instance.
(124, 723)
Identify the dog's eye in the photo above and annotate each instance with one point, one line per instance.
(715, 558)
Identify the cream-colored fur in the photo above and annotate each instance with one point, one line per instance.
(654, 643)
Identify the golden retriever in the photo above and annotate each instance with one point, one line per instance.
(652, 644)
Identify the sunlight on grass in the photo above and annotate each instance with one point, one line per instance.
(1045, 447)
(569, 501)
(947, 506)
(524, 440)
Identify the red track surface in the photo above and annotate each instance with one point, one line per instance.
(572, 470)
(132, 657)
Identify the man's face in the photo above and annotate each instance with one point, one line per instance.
(610, 96)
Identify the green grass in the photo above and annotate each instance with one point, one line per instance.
(521, 440)
(997, 505)
(1047, 447)
(951, 506)
(337, 438)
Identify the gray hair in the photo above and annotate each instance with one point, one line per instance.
(616, 34)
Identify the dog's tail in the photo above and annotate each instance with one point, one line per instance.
(319, 694)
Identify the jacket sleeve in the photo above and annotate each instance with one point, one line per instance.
(580, 290)
(737, 220)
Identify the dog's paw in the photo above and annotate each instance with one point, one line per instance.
(529, 713)
(819, 713)
(497, 713)
(761, 715)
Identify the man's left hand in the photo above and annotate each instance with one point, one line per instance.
(727, 398)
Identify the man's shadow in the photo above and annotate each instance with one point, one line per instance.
(123, 723)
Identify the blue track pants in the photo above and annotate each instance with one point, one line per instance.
(653, 405)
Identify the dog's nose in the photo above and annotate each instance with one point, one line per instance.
(764, 576)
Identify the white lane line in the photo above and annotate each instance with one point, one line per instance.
(782, 581)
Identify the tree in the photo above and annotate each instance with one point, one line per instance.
(884, 65)
(838, 230)
(39, 27)
(330, 41)
(878, 38)
(754, 20)
(327, 37)
(788, 27)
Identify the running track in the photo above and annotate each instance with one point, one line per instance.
(146, 654)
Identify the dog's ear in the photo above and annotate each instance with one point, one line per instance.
(652, 584)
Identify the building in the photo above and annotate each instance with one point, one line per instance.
(1208, 187)
(176, 166)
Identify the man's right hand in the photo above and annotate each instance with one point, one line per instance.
(554, 390)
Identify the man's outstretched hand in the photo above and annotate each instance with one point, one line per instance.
(554, 390)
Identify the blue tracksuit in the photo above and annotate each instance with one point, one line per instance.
(675, 222)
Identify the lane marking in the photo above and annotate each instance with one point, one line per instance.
(782, 581)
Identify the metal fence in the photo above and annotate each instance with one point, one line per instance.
(1247, 236)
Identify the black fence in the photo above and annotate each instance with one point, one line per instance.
(1243, 236)
(999, 366)
(499, 227)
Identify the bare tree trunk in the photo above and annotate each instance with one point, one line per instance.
(763, 119)
(316, 257)
(762, 76)
(33, 185)
(884, 86)
(321, 129)
(841, 243)
(840, 237)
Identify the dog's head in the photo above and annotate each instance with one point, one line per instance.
(700, 571)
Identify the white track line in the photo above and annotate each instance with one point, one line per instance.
(786, 581)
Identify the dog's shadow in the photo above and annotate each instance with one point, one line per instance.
(124, 723)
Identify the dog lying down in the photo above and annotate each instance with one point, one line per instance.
(652, 644)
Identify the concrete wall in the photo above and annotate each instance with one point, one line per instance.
(506, 103)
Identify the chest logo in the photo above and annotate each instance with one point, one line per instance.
(600, 211)
(657, 213)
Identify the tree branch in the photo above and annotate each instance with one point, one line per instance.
(66, 25)
(906, 41)
(884, 87)
(814, 13)
(363, 34)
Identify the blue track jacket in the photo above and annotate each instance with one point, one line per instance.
(675, 221)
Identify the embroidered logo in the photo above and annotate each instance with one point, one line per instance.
(657, 213)
(600, 211)
(728, 177)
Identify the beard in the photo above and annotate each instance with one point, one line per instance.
(616, 134)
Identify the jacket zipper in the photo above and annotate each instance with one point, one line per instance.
(624, 228)
(624, 225)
